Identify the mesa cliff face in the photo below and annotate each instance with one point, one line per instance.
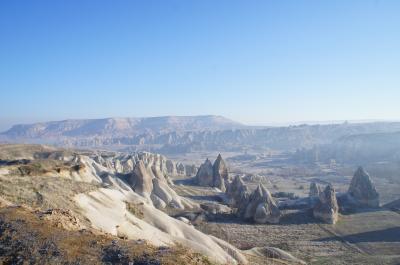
(180, 135)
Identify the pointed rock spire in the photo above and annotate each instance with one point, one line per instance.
(204, 176)
(327, 208)
(235, 191)
(140, 179)
(220, 173)
(362, 189)
(260, 207)
(213, 175)
(315, 190)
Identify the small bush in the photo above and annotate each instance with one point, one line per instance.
(136, 209)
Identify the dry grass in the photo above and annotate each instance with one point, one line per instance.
(44, 192)
(135, 209)
(22, 151)
(25, 238)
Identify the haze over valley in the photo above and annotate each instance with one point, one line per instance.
(169, 132)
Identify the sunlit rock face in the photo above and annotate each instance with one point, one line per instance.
(213, 175)
(220, 173)
(327, 208)
(362, 190)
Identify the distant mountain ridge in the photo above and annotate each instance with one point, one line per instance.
(186, 134)
(121, 126)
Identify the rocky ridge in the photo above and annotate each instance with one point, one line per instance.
(124, 200)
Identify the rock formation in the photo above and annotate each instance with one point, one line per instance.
(327, 208)
(119, 203)
(315, 190)
(213, 175)
(204, 176)
(171, 167)
(237, 192)
(190, 170)
(220, 173)
(260, 207)
(362, 190)
(140, 180)
(156, 188)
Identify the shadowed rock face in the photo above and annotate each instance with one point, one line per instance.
(237, 191)
(362, 190)
(155, 186)
(327, 208)
(190, 170)
(315, 190)
(140, 179)
(204, 176)
(260, 207)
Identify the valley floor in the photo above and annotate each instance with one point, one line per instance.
(371, 237)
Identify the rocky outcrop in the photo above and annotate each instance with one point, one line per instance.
(156, 188)
(213, 175)
(148, 176)
(204, 176)
(327, 208)
(163, 195)
(362, 190)
(180, 168)
(158, 164)
(171, 167)
(190, 170)
(237, 192)
(140, 180)
(315, 190)
(260, 207)
(220, 173)
(215, 208)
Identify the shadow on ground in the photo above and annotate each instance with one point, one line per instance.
(385, 235)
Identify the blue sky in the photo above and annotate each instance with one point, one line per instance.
(253, 61)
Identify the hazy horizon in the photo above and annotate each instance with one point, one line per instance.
(5, 126)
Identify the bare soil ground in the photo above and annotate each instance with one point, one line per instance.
(360, 238)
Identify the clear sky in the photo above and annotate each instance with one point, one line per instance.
(253, 61)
